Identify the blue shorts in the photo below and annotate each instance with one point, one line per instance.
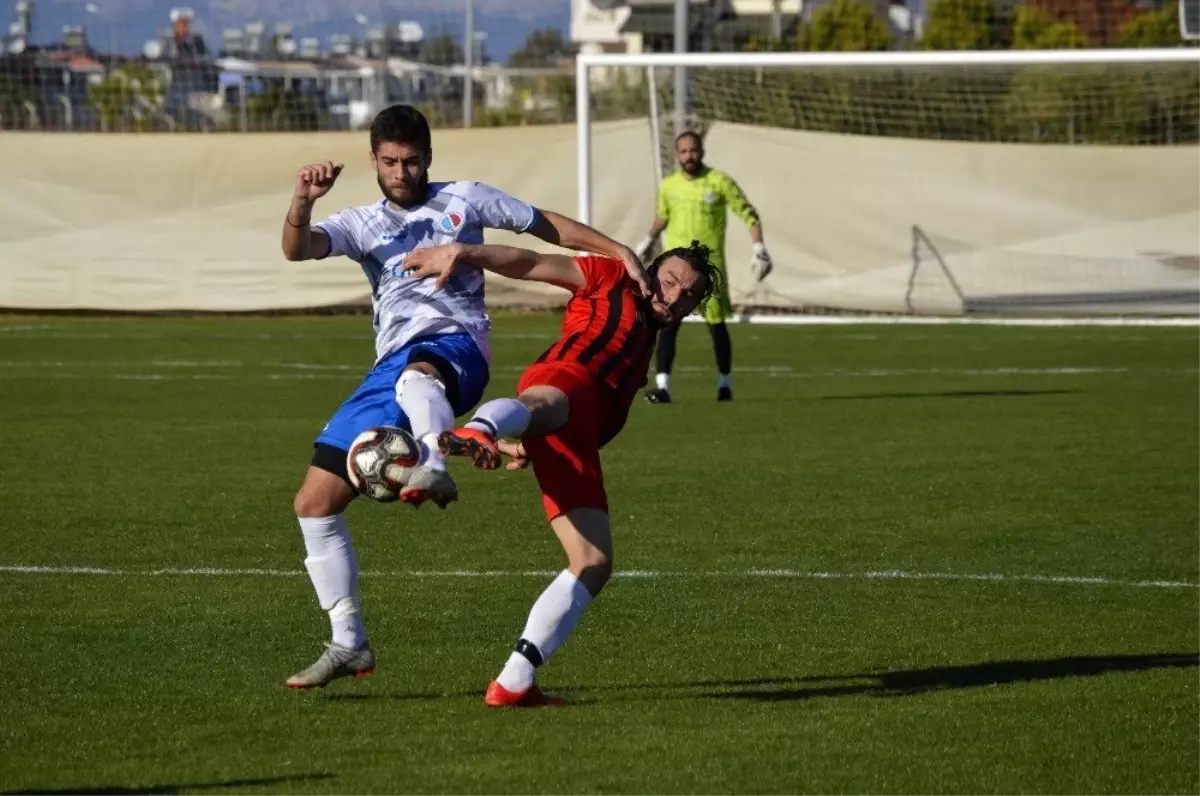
(374, 402)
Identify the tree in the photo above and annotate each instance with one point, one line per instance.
(1171, 91)
(14, 112)
(442, 50)
(542, 48)
(1033, 30)
(962, 25)
(132, 94)
(956, 104)
(1050, 103)
(759, 43)
(1153, 29)
(279, 107)
(844, 26)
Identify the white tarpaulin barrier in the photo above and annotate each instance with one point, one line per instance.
(192, 222)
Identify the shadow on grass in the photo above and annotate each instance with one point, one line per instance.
(360, 696)
(170, 788)
(950, 394)
(902, 682)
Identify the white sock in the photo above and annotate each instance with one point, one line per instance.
(333, 568)
(724, 381)
(503, 417)
(423, 399)
(551, 620)
(662, 381)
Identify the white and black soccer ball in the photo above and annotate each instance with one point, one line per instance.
(380, 462)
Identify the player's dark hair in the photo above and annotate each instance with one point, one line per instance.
(690, 134)
(698, 256)
(401, 124)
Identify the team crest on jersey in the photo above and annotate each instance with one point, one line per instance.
(451, 222)
(710, 197)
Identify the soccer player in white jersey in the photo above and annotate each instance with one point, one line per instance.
(432, 344)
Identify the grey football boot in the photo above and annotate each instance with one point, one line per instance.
(428, 483)
(335, 662)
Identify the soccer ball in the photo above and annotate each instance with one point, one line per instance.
(380, 462)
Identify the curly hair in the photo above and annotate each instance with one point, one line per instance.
(697, 255)
(401, 124)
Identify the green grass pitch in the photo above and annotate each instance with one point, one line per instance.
(1063, 461)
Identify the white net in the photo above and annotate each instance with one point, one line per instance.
(1065, 188)
(1118, 103)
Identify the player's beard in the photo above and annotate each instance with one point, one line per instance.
(692, 166)
(409, 197)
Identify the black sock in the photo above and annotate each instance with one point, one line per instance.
(722, 347)
(665, 355)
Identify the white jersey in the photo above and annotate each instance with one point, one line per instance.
(379, 236)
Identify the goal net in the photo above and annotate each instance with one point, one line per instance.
(931, 183)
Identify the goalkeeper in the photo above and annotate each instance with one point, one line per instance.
(692, 205)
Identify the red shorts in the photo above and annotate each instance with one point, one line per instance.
(567, 461)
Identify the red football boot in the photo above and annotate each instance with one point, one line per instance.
(475, 445)
(533, 697)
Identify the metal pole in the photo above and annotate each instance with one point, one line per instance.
(656, 141)
(468, 60)
(583, 140)
(681, 46)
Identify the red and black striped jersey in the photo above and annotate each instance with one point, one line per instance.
(607, 328)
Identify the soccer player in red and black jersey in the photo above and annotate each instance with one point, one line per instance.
(570, 403)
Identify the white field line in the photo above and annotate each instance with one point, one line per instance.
(39, 327)
(64, 332)
(905, 320)
(1073, 580)
(105, 363)
(307, 368)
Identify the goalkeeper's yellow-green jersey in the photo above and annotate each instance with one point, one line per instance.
(694, 209)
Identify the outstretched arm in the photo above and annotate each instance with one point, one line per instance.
(570, 234)
(656, 227)
(760, 262)
(662, 212)
(756, 232)
(442, 261)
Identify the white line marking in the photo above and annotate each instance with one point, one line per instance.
(26, 328)
(913, 320)
(25, 569)
(329, 371)
(64, 333)
(168, 377)
(315, 366)
(104, 363)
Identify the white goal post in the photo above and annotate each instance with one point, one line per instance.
(1034, 216)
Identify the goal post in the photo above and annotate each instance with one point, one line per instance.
(1022, 182)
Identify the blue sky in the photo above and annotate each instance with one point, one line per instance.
(131, 22)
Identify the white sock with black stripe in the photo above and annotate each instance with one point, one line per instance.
(502, 418)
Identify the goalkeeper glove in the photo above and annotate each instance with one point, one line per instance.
(643, 248)
(760, 263)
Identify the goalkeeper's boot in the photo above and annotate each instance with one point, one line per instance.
(533, 697)
(658, 397)
(724, 393)
(478, 446)
(429, 483)
(335, 662)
